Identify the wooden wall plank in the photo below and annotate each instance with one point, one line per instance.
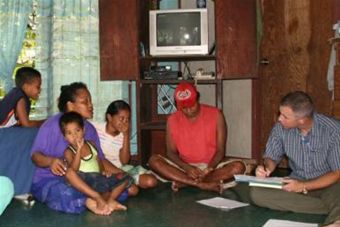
(295, 42)
(321, 17)
(336, 112)
(119, 41)
(272, 75)
(236, 39)
(337, 82)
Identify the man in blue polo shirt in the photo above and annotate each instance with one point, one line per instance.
(311, 142)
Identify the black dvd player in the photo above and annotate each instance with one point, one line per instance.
(162, 75)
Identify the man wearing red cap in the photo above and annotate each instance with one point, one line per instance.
(196, 136)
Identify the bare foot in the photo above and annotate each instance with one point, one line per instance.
(221, 187)
(210, 186)
(101, 203)
(175, 186)
(92, 205)
(115, 206)
(334, 224)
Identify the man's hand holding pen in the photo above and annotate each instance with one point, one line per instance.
(262, 171)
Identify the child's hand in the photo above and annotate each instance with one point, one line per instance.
(106, 174)
(110, 172)
(124, 127)
(80, 144)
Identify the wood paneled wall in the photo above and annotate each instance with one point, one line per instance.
(295, 42)
(321, 14)
(235, 39)
(119, 40)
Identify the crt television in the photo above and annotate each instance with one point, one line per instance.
(178, 32)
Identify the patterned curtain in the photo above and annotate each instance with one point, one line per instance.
(13, 22)
(68, 51)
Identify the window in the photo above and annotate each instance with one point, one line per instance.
(28, 52)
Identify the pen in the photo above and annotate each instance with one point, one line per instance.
(265, 169)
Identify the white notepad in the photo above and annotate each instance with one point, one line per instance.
(268, 182)
(285, 223)
(222, 203)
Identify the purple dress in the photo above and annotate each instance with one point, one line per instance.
(49, 188)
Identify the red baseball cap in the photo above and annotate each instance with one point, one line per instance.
(185, 95)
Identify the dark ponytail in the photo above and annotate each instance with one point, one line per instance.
(68, 93)
(116, 106)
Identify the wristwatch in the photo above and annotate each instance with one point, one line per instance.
(304, 189)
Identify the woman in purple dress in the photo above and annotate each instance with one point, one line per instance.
(49, 184)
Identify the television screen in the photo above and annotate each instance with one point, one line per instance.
(179, 29)
(178, 32)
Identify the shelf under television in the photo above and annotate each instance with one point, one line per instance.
(176, 81)
(180, 58)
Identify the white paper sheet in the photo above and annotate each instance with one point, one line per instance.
(222, 203)
(285, 223)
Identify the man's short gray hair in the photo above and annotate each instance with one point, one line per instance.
(300, 102)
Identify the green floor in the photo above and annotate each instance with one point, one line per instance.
(155, 207)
